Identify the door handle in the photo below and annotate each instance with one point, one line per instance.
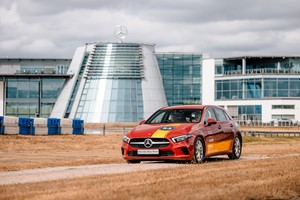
(219, 127)
(231, 125)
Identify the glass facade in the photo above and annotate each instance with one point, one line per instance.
(77, 83)
(257, 88)
(257, 65)
(281, 87)
(31, 97)
(113, 80)
(251, 112)
(182, 77)
(123, 101)
(34, 65)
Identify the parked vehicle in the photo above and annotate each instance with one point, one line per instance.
(189, 133)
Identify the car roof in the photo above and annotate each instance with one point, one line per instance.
(186, 107)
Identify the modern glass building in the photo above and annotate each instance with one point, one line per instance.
(182, 77)
(113, 82)
(255, 88)
(30, 87)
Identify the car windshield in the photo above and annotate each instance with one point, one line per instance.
(175, 116)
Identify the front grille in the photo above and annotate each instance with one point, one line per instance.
(156, 143)
(161, 153)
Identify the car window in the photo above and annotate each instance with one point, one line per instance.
(158, 118)
(175, 116)
(227, 116)
(220, 115)
(209, 114)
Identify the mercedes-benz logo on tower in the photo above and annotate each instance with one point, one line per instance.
(121, 32)
(148, 143)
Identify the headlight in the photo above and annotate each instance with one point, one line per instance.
(181, 138)
(126, 139)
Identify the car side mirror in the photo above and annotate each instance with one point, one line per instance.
(142, 122)
(211, 121)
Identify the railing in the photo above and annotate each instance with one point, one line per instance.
(268, 124)
(271, 133)
(40, 71)
(107, 130)
(262, 71)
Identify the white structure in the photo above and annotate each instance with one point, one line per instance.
(112, 82)
(254, 88)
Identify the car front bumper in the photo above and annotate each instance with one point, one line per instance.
(174, 151)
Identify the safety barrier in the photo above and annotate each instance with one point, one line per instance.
(1, 125)
(10, 125)
(53, 125)
(26, 126)
(66, 126)
(78, 126)
(40, 126)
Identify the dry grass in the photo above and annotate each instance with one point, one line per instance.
(276, 178)
(272, 178)
(25, 152)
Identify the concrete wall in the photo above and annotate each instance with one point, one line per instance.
(208, 82)
(154, 96)
(61, 104)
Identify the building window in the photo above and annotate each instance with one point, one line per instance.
(257, 88)
(283, 106)
(281, 87)
(283, 117)
(122, 101)
(31, 97)
(251, 112)
(182, 77)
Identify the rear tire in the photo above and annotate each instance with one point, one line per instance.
(133, 161)
(199, 151)
(236, 148)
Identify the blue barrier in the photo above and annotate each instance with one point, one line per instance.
(26, 126)
(78, 126)
(53, 125)
(1, 125)
(31, 126)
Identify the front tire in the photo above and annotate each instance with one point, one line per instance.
(236, 148)
(199, 152)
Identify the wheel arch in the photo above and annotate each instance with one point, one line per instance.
(203, 140)
(239, 134)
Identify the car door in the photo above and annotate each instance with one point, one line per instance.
(213, 132)
(227, 135)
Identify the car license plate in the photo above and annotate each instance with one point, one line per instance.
(148, 152)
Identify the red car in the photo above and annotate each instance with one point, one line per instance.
(189, 132)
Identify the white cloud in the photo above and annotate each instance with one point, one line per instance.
(38, 45)
(220, 28)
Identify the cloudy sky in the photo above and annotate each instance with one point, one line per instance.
(55, 28)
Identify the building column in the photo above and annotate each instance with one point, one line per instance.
(244, 65)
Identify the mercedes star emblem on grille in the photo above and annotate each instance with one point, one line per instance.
(148, 143)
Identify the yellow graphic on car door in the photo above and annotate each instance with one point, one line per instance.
(218, 146)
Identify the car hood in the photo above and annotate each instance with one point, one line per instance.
(160, 130)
